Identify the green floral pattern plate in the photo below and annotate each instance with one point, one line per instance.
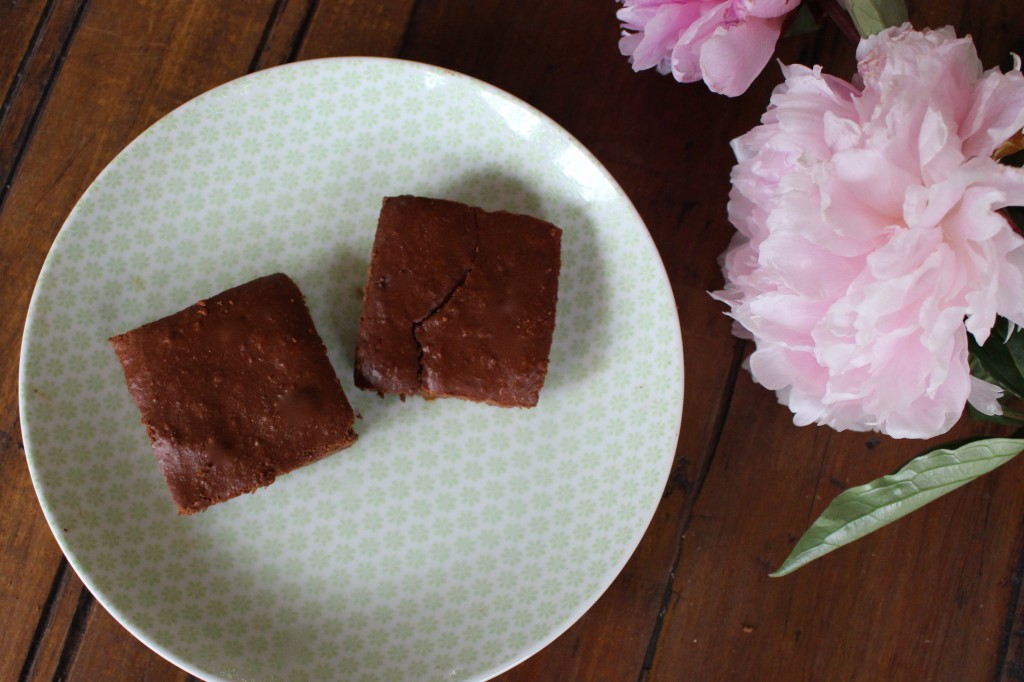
(454, 539)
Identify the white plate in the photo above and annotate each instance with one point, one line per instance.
(454, 540)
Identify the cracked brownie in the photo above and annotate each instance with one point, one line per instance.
(234, 391)
(459, 302)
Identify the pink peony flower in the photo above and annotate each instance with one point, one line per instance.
(724, 42)
(869, 240)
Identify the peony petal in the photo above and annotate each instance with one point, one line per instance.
(984, 397)
(733, 57)
(997, 112)
(661, 31)
(767, 9)
(685, 59)
(938, 147)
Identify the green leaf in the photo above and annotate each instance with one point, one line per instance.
(859, 511)
(1001, 358)
(873, 16)
(1015, 347)
(802, 21)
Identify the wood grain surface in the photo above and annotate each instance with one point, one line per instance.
(935, 596)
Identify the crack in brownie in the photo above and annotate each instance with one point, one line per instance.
(459, 302)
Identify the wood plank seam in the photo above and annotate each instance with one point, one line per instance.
(19, 75)
(300, 37)
(812, 502)
(1011, 617)
(6, 438)
(26, 134)
(76, 633)
(739, 351)
(652, 645)
(45, 621)
(410, 27)
(267, 31)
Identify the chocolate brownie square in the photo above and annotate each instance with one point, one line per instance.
(459, 302)
(234, 391)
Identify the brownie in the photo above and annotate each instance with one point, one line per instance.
(459, 302)
(422, 251)
(234, 391)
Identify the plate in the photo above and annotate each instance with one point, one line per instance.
(454, 539)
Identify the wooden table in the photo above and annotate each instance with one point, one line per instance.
(936, 596)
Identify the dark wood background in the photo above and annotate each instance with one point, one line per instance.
(935, 596)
